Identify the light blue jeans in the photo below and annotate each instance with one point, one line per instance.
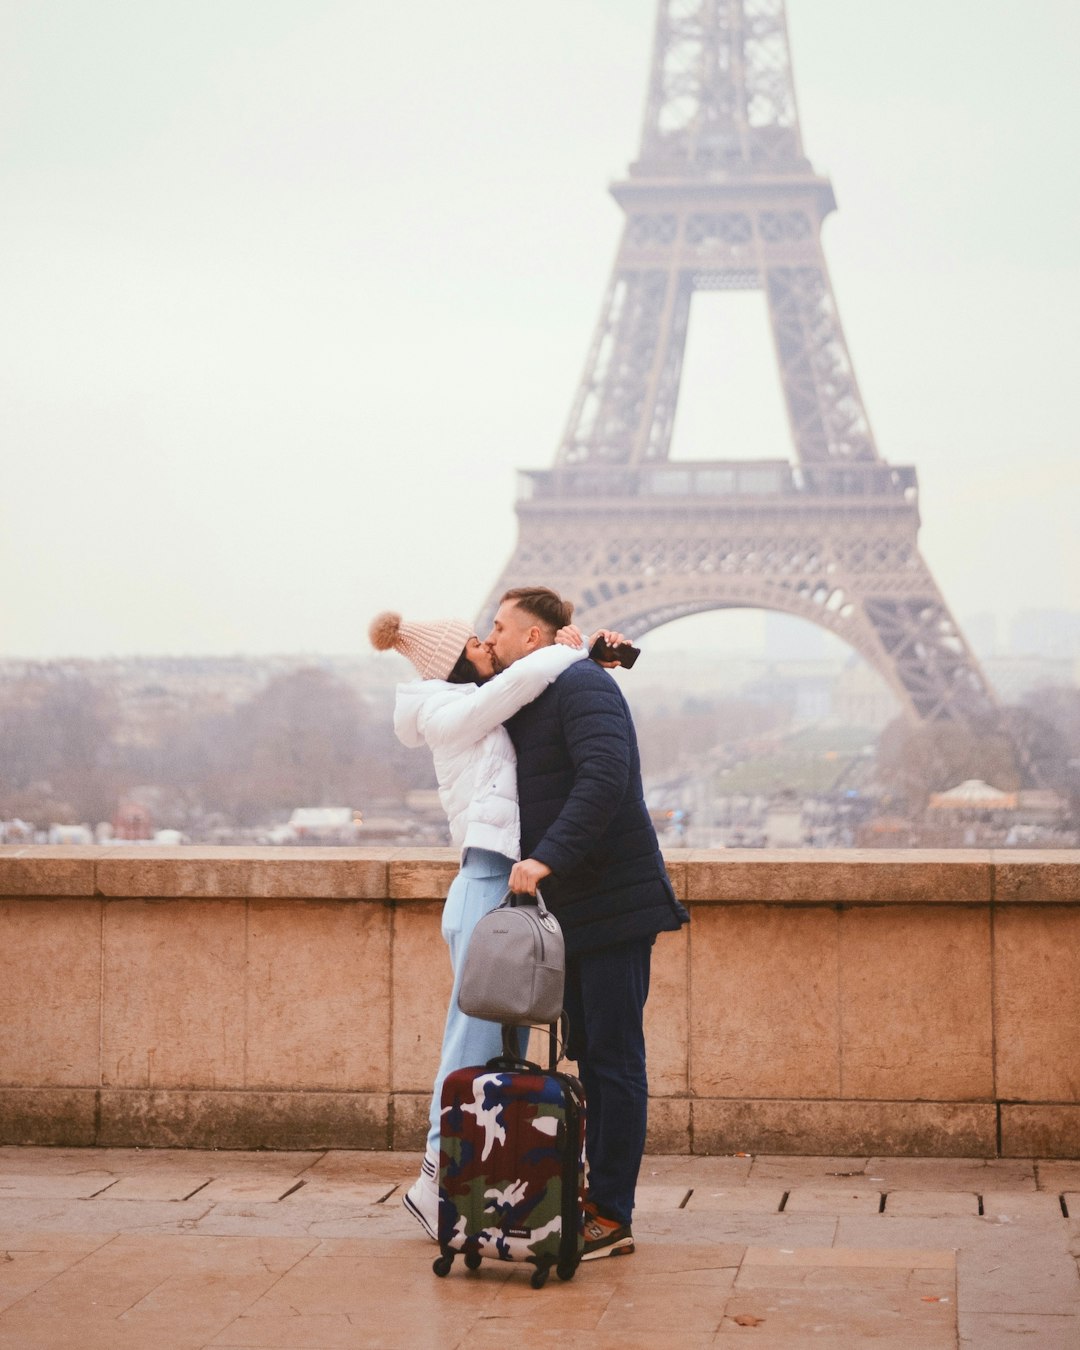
(477, 888)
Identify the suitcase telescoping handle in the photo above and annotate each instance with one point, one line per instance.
(511, 1061)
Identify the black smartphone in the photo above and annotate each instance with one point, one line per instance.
(623, 653)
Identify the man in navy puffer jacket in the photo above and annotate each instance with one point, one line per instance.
(587, 836)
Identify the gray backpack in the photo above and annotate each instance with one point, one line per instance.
(515, 966)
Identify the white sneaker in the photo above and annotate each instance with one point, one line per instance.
(422, 1202)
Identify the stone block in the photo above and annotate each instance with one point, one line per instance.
(409, 1125)
(422, 981)
(47, 872)
(667, 1015)
(425, 874)
(59, 1117)
(764, 1012)
(935, 1129)
(244, 1120)
(240, 873)
(1040, 1131)
(668, 1129)
(675, 863)
(318, 996)
(1035, 875)
(794, 876)
(174, 1003)
(1037, 1003)
(915, 998)
(51, 1026)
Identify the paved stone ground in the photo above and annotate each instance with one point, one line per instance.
(117, 1249)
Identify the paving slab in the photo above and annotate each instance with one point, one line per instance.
(152, 1184)
(102, 1216)
(951, 1174)
(1005, 1331)
(340, 1190)
(814, 1173)
(834, 1201)
(29, 1261)
(651, 1197)
(931, 1204)
(1010, 1207)
(1001, 1268)
(65, 1186)
(158, 1291)
(124, 1161)
(1058, 1175)
(690, 1226)
(253, 1259)
(745, 1200)
(726, 1169)
(362, 1168)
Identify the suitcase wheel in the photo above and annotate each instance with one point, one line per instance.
(539, 1278)
(442, 1264)
(566, 1270)
(472, 1260)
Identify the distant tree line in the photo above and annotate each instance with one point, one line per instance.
(70, 752)
(306, 739)
(1035, 744)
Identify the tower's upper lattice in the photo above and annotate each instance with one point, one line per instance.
(721, 97)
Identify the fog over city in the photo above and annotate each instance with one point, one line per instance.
(292, 289)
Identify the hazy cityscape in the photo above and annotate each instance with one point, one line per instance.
(795, 744)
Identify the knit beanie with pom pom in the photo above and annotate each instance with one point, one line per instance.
(433, 648)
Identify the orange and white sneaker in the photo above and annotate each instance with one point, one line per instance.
(605, 1237)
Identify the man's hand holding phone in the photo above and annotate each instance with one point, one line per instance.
(611, 649)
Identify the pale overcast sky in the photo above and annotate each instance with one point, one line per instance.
(292, 287)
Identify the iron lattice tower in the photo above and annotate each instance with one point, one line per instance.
(722, 197)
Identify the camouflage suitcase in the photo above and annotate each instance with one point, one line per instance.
(512, 1174)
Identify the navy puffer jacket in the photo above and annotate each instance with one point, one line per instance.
(583, 813)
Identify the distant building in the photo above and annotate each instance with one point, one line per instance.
(861, 698)
(981, 631)
(1014, 676)
(132, 821)
(1048, 633)
(324, 825)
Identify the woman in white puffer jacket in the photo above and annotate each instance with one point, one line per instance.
(457, 709)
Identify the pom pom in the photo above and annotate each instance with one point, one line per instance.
(384, 630)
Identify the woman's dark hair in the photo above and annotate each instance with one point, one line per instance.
(464, 671)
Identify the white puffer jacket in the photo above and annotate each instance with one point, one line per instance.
(474, 759)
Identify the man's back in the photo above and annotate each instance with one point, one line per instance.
(583, 812)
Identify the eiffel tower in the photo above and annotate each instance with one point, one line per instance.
(722, 197)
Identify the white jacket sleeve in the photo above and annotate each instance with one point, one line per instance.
(464, 721)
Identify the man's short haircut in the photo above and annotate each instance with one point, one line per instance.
(547, 608)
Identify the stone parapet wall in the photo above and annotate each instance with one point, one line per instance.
(837, 1003)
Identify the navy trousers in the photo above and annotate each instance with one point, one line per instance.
(605, 999)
